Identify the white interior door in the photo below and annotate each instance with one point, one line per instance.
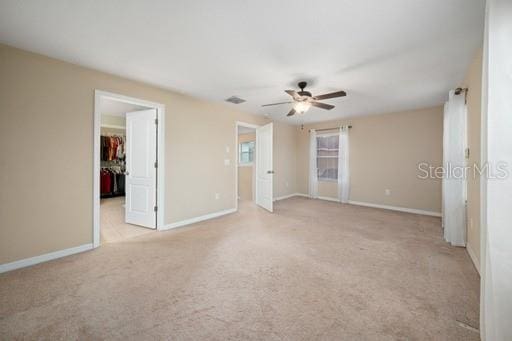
(140, 168)
(264, 167)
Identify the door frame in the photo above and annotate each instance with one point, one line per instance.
(160, 145)
(246, 125)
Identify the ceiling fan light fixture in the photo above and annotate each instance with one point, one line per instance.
(302, 107)
(303, 100)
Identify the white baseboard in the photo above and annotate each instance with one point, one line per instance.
(44, 258)
(366, 204)
(396, 208)
(328, 199)
(473, 257)
(291, 196)
(197, 219)
(305, 196)
(285, 197)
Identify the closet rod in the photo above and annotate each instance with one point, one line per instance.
(335, 128)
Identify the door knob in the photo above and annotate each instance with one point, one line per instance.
(270, 172)
(127, 173)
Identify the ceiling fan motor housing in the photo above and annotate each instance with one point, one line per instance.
(302, 85)
(304, 93)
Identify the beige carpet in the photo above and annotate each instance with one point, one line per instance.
(314, 270)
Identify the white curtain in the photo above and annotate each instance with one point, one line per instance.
(313, 172)
(343, 166)
(454, 182)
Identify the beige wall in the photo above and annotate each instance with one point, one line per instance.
(384, 153)
(112, 131)
(285, 160)
(46, 155)
(109, 120)
(245, 180)
(473, 82)
(113, 120)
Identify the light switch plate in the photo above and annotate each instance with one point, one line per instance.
(227, 162)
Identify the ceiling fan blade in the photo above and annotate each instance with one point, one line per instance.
(292, 93)
(322, 105)
(331, 95)
(292, 112)
(267, 105)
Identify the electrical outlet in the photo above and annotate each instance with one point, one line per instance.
(387, 192)
(227, 149)
(217, 196)
(286, 183)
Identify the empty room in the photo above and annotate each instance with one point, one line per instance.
(236, 170)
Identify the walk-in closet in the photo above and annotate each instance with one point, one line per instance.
(113, 173)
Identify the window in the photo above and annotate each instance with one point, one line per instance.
(327, 157)
(246, 153)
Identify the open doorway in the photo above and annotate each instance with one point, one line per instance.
(128, 184)
(254, 171)
(246, 155)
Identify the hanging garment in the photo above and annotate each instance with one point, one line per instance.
(120, 183)
(104, 148)
(112, 150)
(114, 182)
(105, 182)
(120, 148)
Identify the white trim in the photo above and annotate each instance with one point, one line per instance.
(198, 219)
(359, 203)
(160, 108)
(328, 180)
(22, 263)
(329, 199)
(246, 164)
(472, 255)
(113, 126)
(237, 155)
(286, 196)
(247, 125)
(396, 208)
(327, 134)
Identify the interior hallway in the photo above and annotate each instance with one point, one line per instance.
(312, 270)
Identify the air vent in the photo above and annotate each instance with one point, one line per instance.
(235, 100)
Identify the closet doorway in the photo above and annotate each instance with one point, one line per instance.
(128, 154)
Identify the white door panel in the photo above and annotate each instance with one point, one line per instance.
(264, 167)
(140, 168)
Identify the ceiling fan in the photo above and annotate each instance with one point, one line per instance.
(304, 100)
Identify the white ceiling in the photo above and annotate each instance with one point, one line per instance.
(116, 108)
(388, 55)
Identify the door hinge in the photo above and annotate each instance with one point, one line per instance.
(156, 164)
(156, 121)
(467, 153)
(156, 208)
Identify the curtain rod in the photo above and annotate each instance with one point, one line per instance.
(329, 129)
